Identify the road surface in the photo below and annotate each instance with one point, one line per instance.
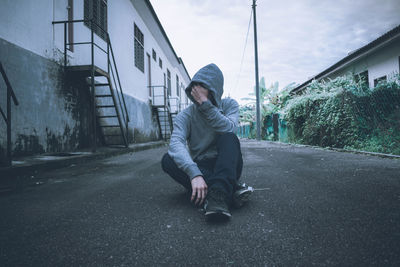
(311, 207)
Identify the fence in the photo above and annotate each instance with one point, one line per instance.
(243, 131)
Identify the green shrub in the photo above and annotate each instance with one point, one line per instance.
(344, 113)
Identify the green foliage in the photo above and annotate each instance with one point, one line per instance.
(342, 113)
(345, 113)
(272, 100)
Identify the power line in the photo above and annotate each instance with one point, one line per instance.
(244, 50)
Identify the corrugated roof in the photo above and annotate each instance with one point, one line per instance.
(394, 33)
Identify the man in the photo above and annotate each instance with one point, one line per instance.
(210, 170)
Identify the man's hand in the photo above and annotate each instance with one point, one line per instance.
(200, 94)
(199, 190)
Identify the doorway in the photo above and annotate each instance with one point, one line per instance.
(70, 9)
(149, 74)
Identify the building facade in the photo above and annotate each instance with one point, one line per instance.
(377, 61)
(54, 110)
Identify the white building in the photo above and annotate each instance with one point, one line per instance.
(374, 62)
(54, 111)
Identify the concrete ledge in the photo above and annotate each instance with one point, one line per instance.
(26, 167)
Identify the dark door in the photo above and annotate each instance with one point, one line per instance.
(149, 73)
(70, 25)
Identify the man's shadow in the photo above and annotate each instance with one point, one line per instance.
(180, 199)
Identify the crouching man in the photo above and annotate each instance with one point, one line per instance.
(204, 154)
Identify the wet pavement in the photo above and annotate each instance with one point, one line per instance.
(311, 207)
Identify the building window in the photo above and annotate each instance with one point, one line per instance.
(379, 80)
(168, 82)
(160, 62)
(363, 78)
(177, 86)
(139, 49)
(96, 9)
(154, 55)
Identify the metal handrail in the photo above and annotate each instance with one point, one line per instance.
(166, 105)
(92, 22)
(3, 73)
(7, 118)
(119, 81)
(111, 66)
(177, 102)
(164, 95)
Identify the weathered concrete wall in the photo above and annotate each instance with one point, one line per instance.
(143, 125)
(54, 111)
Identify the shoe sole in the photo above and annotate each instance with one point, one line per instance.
(217, 216)
(241, 197)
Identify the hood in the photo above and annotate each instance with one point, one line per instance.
(213, 79)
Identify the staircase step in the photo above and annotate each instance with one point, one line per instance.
(103, 95)
(115, 145)
(106, 106)
(101, 84)
(108, 116)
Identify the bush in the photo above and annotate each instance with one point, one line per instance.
(344, 113)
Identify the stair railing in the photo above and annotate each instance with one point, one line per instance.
(174, 101)
(165, 104)
(118, 87)
(111, 69)
(7, 118)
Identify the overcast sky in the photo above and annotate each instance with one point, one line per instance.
(297, 39)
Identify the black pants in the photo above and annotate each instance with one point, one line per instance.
(222, 172)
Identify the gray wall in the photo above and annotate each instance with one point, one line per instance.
(54, 111)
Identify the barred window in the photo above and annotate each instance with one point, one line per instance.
(96, 9)
(139, 49)
(168, 82)
(177, 86)
(160, 62)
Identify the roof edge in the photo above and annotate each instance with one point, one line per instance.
(153, 12)
(383, 39)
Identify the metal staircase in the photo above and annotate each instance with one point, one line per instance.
(107, 99)
(7, 116)
(174, 106)
(162, 109)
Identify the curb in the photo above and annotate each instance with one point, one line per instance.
(375, 154)
(16, 174)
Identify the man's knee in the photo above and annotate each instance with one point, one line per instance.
(230, 138)
(166, 162)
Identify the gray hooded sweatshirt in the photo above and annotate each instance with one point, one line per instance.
(197, 127)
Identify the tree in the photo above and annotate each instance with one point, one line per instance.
(272, 100)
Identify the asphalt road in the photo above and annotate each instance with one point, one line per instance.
(312, 207)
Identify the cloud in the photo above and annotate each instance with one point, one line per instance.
(296, 39)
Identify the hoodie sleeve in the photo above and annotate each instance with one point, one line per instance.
(221, 122)
(177, 146)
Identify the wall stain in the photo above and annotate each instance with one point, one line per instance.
(27, 145)
(140, 137)
(3, 157)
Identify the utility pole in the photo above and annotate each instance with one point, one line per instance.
(257, 82)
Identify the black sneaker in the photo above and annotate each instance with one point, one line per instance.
(241, 195)
(216, 206)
